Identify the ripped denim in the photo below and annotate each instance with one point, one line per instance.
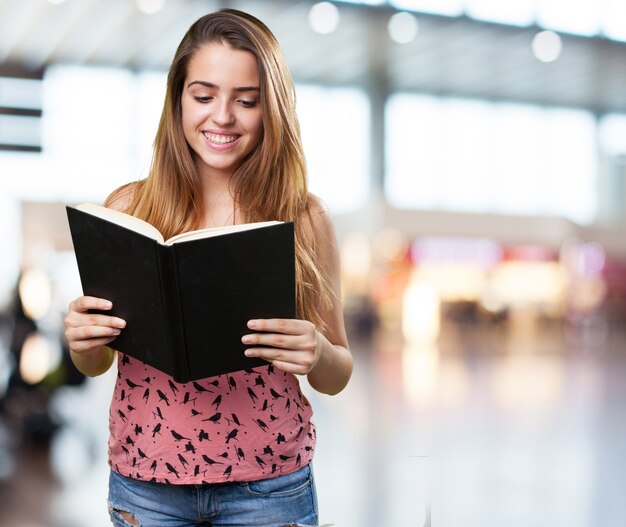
(283, 501)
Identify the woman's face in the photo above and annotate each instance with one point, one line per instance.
(221, 110)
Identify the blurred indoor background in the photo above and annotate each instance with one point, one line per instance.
(473, 153)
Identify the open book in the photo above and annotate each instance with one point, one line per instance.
(186, 300)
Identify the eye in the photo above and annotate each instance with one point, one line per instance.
(246, 103)
(202, 98)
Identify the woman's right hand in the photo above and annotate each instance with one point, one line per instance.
(87, 332)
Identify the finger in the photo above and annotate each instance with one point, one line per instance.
(300, 358)
(91, 332)
(280, 325)
(276, 340)
(271, 354)
(89, 345)
(75, 320)
(85, 303)
(289, 367)
(78, 320)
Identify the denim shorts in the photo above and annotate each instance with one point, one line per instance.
(288, 500)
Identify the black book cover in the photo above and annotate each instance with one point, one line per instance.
(187, 304)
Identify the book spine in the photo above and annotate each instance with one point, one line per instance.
(173, 312)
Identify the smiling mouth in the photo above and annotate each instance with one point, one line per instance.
(219, 138)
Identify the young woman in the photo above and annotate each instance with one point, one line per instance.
(233, 449)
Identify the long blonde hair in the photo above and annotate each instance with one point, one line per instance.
(271, 181)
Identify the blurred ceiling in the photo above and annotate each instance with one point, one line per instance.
(450, 56)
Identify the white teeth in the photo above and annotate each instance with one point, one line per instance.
(220, 139)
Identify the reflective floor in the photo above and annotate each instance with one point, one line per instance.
(522, 424)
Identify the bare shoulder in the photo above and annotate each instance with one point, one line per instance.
(321, 219)
(121, 198)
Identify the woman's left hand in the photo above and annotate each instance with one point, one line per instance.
(292, 345)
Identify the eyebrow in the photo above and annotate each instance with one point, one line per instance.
(211, 85)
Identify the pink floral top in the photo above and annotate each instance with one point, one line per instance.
(242, 426)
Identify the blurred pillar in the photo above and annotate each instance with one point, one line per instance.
(612, 188)
(377, 90)
(376, 502)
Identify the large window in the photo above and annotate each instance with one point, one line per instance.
(466, 155)
(335, 135)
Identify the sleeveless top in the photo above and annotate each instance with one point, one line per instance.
(241, 426)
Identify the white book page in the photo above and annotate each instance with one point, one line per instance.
(217, 231)
(122, 219)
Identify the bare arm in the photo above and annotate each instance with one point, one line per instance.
(298, 347)
(87, 333)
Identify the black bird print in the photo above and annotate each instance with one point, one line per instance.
(129, 441)
(190, 448)
(156, 430)
(298, 459)
(280, 439)
(259, 381)
(284, 458)
(300, 430)
(141, 453)
(288, 405)
(210, 461)
(275, 395)
(123, 395)
(234, 419)
(195, 413)
(260, 462)
(177, 436)
(183, 461)
(126, 451)
(188, 398)
(215, 418)
(203, 435)
(130, 408)
(132, 385)
(223, 454)
(158, 414)
(200, 388)
(214, 383)
(172, 470)
(147, 380)
(228, 471)
(268, 450)
(261, 424)
(122, 415)
(153, 466)
(232, 384)
(173, 387)
(163, 397)
(270, 369)
(232, 435)
(252, 395)
(146, 394)
(138, 430)
(216, 402)
(240, 454)
(125, 359)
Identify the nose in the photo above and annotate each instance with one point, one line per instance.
(222, 113)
